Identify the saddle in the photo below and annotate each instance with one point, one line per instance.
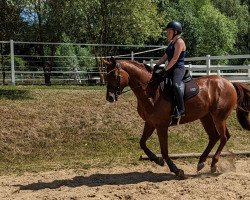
(191, 87)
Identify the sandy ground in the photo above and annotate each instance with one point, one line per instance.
(144, 181)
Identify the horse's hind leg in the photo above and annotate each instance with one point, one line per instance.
(147, 132)
(213, 136)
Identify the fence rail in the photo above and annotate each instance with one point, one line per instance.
(62, 75)
(238, 73)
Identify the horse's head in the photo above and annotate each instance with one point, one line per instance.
(116, 79)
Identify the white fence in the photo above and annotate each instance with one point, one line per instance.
(240, 73)
(11, 74)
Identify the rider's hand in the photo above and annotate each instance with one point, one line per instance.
(159, 71)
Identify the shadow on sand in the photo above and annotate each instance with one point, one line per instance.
(109, 179)
(102, 179)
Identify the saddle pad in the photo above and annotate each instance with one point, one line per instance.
(191, 89)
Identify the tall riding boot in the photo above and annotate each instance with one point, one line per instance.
(179, 95)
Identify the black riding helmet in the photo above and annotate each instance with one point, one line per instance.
(175, 26)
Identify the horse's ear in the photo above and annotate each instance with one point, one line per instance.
(105, 62)
(148, 68)
(113, 60)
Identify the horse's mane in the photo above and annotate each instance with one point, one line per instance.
(139, 65)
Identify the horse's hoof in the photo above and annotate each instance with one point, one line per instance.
(159, 161)
(200, 166)
(180, 174)
(213, 169)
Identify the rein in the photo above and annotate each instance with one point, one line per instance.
(118, 81)
(145, 84)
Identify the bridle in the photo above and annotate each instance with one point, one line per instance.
(117, 88)
(118, 80)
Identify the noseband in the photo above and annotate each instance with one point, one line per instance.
(118, 80)
(117, 88)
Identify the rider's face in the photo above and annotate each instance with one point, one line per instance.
(170, 34)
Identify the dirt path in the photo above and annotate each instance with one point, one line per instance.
(146, 181)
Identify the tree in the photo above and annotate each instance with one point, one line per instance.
(218, 32)
(206, 29)
(239, 11)
(46, 24)
(117, 22)
(69, 57)
(12, 27)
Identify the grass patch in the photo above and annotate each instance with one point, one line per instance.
(52, 87)
(60, 128)
(15, 94)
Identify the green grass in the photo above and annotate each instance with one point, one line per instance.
(52, 87)
(59, 128)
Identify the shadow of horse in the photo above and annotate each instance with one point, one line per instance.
(15, 94)
(101, 180)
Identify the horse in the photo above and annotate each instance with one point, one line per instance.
(216, 99)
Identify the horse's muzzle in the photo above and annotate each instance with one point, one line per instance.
(111, 97)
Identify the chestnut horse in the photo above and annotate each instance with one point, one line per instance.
(216, 99)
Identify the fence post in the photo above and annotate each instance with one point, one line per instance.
(248, 72)
(190, 66)
(151, 63)
(12, 61)
(208, 63)
(132, 55)
(218, 70)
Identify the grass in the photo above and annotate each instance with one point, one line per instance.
(45, 128)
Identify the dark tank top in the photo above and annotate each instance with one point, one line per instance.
(170, 53)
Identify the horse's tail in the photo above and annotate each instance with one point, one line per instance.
(243, 105)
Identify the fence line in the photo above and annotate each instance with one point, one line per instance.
(14, 74)
(208, 69)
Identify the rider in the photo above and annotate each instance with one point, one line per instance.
(174, 54)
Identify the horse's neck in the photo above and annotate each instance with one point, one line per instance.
(138, 80)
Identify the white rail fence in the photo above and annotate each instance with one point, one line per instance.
(239, 73)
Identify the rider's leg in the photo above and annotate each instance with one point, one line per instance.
(179, 87)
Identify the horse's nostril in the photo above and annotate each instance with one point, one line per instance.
(111, 99)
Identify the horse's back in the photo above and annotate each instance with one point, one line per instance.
(215, 83)
(218, 91)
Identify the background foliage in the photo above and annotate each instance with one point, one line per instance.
(212, 27)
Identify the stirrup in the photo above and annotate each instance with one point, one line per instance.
(175, 121)
(176, 114)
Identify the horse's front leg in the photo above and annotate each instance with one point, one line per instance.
(147, 132)
(162, 132)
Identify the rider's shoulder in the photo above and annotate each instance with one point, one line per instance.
(179, 42)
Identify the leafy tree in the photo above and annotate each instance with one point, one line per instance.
(71, 57)
(218, 32)
(45, 21)
(206, 29)
(118, 22)
(239, 11)
(12, 27)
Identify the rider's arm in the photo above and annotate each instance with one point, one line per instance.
(163, 59)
